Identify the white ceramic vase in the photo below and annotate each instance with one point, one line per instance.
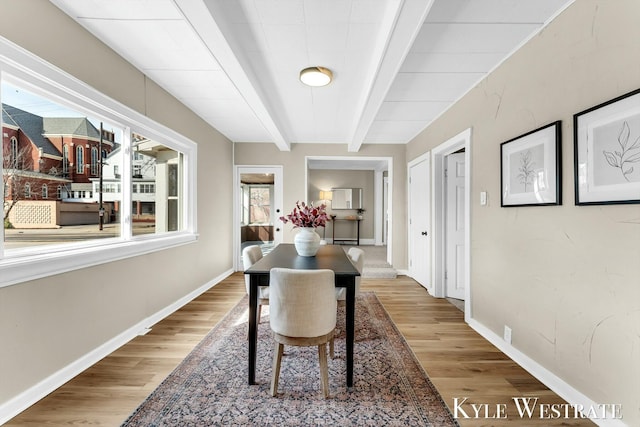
(307, 241)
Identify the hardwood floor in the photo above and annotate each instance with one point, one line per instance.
(460, 363)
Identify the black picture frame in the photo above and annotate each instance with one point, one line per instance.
(606, 142)
(531, 168)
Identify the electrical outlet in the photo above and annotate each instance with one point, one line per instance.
(507, 334)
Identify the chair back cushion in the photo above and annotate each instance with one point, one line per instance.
(302, 303)
(250, 255)
(356, 256)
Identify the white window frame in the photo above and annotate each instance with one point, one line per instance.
(22, 68)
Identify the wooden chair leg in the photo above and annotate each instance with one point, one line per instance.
(277, 359)
(331, 348)
(324, 369)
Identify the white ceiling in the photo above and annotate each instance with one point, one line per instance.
(397, 64)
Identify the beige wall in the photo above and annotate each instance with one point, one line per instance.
(321, 179)
(294, 175)
(47, 324)
(565, 278)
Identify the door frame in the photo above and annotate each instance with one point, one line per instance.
(365, 163)
(385, 209)
(425, 157)
(278, 195)
(438, 199)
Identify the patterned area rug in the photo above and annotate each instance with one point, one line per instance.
(209, 388)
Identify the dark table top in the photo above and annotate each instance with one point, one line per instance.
(284, 255)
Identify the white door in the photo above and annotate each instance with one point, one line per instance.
(454, 233)
(242, 200)
(419, 221)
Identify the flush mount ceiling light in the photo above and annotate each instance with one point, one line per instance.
(316, 76)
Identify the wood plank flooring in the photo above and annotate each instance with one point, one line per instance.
(459, 362)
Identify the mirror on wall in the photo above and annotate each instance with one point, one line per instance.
(346, 198)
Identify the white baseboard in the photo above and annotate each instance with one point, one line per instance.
(19, 403)
(555, 383)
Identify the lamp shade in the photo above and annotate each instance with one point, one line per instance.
(316, 76)
(325, 195)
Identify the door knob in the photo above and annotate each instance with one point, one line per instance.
(424, 233)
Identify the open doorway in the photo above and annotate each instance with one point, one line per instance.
(451, 219)
(258, 200)
(323, 173)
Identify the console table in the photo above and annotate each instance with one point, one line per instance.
(356, 240)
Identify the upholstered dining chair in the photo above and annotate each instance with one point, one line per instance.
(356, 256)
(251, 255)
(302, 312)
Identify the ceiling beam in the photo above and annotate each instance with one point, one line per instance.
(206, 27)
(403, 28)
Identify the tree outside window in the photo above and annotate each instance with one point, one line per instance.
(259, 205)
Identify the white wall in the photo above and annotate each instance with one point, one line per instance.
(47, 324)
(565, 278)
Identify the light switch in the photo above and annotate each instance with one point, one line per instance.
(483, 198)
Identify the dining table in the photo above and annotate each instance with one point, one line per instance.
(284, 255)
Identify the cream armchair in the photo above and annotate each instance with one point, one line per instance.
(302, 312)
(356, 256)
(251, 255)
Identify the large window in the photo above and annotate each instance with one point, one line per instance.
(45, 129)
(256, 204)
(157, 171)
(60, 133)
(260, 207)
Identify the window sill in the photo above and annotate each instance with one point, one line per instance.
(21, 267)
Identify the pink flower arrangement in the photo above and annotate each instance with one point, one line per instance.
(304, 215)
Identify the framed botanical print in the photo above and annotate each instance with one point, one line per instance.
(530, 167)
(607, 152)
